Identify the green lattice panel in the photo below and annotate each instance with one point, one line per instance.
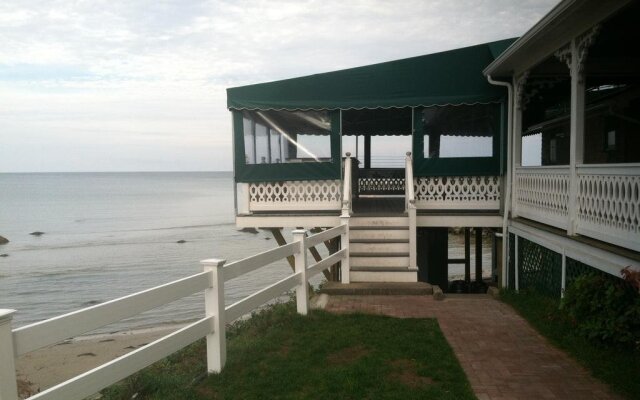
(539, 268)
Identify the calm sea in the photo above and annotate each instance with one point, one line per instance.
(111, 234)
(108, 235)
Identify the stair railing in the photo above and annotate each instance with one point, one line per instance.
(410, 208)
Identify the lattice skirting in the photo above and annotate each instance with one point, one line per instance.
(295, 195)
(540, 269)
(458, 192)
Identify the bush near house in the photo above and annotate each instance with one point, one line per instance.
(604, 310)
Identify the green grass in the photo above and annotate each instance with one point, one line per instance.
(279, 354)
(618, 367)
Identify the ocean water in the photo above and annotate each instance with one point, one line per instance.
(107, 235)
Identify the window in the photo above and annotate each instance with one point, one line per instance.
(460, 131)
(274, 137)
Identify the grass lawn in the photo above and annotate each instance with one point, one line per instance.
(279, 354)
(620, 368)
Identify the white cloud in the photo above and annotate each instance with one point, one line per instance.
(152, 73)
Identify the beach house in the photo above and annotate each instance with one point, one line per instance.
(537, 137)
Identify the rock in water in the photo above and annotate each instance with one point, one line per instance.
(181, 241)
(249, 230)
(36, 233)
(3, 240)
(4, 255)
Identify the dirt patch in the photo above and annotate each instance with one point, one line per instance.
(348, 355)
(405, 373)
(25, 388)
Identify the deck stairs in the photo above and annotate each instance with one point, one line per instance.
(379, 249)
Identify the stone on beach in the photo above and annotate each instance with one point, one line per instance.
(3, 240)
(249, 230)
(36, 233)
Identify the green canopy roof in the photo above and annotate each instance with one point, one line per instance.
(450, 77)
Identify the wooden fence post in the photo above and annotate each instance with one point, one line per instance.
(214, 307)
(302, 291)
(8, 387)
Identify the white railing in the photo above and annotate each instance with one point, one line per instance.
(410, 207)
(457, 192)
(607, 200)
(28, 338)
(295, 195)
(608, 204)
(542, 194)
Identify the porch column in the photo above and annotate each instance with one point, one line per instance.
(575, 55)
(516, 159)
(367, 151)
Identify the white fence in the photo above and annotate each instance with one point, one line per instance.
(295, 195)
(28, 338)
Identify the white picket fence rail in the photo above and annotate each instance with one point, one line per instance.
(32, 337)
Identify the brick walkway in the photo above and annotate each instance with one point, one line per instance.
(503, 357)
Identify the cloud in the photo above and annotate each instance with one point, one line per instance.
(83, 72)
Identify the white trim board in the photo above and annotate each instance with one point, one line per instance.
(603, 260)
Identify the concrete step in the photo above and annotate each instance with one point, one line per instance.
(378, 261)
(374, 221)
(377, 288)
(375, 248)
(400, 275)
(378, 234)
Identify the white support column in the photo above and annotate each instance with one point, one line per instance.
(302, 290)
(215, 307)
(516, 264)
(242, 198)
(516, 150)
(576, 150)
(345, 267)
(563, 283)
(8, 386)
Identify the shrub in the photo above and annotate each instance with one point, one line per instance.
(604, 309)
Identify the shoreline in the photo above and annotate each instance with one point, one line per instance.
(54, 364)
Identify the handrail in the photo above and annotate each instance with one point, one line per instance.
(34, 336)
(346, 188)
(410, 206)
(410, 197)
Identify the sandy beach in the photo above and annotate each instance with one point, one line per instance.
(46, 367)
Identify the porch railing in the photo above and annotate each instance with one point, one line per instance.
(294, 195)
(28, 338)
(457, 192)
(607, 200)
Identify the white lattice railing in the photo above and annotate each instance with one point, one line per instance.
(609, 203)
(295, 195)
(457, 193)
(542, 194)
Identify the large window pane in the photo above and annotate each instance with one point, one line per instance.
(249, 143)
(460, 131)
(287, 136)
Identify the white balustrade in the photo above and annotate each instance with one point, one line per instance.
(457, 192)
(295, 195)
(542, 194)
(609, 203)
(212, 326)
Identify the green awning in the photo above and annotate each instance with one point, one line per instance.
(448, 78)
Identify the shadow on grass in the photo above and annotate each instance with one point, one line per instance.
(618, 367)
(279, 354)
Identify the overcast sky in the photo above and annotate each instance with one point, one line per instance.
(140, 85)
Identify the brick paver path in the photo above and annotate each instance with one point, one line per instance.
(502, 355)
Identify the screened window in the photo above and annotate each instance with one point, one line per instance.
(274, 137)
(460, 131)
